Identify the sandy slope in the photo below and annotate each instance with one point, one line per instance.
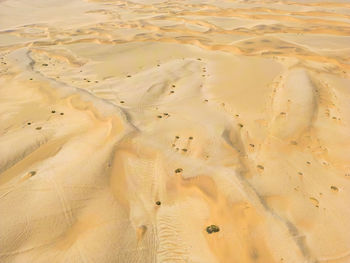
(233, 113)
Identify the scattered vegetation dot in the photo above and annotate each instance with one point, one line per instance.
(212, 229)
(334, 188)
(32, 173)
(158, 203)
(178, 170)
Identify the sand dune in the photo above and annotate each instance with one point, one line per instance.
(129, 127)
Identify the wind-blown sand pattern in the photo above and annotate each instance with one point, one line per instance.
(229, 113)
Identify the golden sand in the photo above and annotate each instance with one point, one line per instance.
(229, 113)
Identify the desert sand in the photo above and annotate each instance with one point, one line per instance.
(129, 127)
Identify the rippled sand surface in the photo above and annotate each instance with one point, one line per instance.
(229, 113)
